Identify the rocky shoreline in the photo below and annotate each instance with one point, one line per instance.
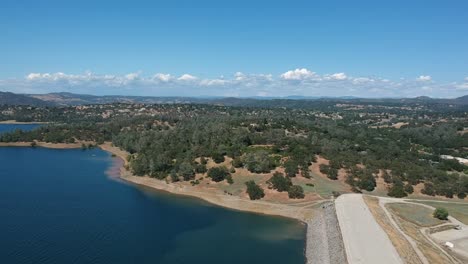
(324, 241)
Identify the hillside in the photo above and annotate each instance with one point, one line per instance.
(7, 98)
(67, 99)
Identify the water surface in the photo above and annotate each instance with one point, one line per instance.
(12, 127)
(59, 206)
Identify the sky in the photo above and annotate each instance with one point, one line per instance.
(235, 48)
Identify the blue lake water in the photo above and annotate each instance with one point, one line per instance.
(13, 127)
(60, 206)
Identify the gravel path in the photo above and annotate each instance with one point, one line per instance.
(324, 242)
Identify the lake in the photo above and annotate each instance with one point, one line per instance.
(13, 127)
(60, 206)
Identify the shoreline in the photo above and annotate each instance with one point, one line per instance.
(303, 213)
(297, 212)
(218, 198)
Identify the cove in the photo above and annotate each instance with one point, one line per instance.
(60, 206)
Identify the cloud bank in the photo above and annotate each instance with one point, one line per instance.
(300, 81)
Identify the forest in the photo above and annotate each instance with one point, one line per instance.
(402, 143)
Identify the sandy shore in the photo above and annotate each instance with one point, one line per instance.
(298, 211)
(14, 122)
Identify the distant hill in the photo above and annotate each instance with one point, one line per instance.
(462, 100)
(7, 98)
(66, 99)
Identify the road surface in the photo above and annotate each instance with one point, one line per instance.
(364, 240)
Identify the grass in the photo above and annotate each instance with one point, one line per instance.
(415, 214)
(457, 210)
(325, 187)
(238, 187)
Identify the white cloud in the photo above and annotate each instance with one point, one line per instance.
(299, 81)
(298, 74)
(339, 76)
(132, 76)
(187, 77)
(33, 76)
(360, 80)
(424, 78)
(463, 86)
(162, 77)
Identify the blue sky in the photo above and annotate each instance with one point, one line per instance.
(235, 48)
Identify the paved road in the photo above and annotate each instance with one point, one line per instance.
(364, 240)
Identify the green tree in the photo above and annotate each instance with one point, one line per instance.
(218, 174)
(296, 192)
(200, 168)
(254, 191)
(291, 168)
(237, 162)
(441, 213)
(280, 182)
(259, 162)
(186, 171)
(218, 157)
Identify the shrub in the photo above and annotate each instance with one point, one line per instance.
(229, 179)
(237, 162)
(397, 190)
(218, 174)
(255, 192)
(291, 168)
(461, 195)
(259, 162)
(280, 182)
(186, 171)
(296, 192)
(201, 168)
(409, 188)
(332, 173)
(441, 213)
(218, 157)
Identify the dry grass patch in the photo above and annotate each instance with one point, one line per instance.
(457, 210)
(415, 214)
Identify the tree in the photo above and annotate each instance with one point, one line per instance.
(441, 213)
(237, 162)
(200, 168)
(296, 192)
(461, 195)
(229, 179)
(409, 188)
(254, 191)
(259, 162)
(186, 171)
(291, 168)
(218, 174)
(280, 182)
(174, 177)
(331, 172)
(397, 190)
(218, 157)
